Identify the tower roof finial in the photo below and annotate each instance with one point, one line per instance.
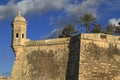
(19, 13)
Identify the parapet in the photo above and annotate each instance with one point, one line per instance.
(89, 36)
(48, 42)
(101, 37)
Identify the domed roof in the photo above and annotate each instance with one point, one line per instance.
(19, 17)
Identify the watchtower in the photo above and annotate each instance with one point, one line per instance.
(19, 30)
(19, 26)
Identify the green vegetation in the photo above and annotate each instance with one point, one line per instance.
(111, 29)
(97, 29)
(88, 22)
(68, 31)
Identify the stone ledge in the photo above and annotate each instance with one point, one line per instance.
(48, 42)
(100, 36)
(84, 36)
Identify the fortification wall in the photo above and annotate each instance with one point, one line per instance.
(4, 78)
(47, 62)
(99, 57)
(48, 42)
(43, 60)
(84, 57)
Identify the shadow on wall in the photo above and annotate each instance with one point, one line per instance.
(72, 72)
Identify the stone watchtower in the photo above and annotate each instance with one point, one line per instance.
(18, 33)
(19, 26)
(19, 30)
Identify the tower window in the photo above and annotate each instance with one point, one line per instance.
(17, 35)
(22, 35)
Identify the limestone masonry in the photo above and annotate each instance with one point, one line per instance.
(4, 78)
(83, 57)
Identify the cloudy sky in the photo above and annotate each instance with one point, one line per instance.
(46, 18)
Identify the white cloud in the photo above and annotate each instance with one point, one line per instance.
(114, 21)
(74, 9)
(29, 6)
(87, 6)
(39, 6)
(55, 33)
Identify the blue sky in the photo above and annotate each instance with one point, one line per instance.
(46, 18)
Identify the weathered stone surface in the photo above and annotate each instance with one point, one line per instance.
(42, 62)
(85, 57)
(49, 63)
(100, 59)
(4, 78)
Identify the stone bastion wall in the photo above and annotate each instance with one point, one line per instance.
(99, 57)
(83, 57)
(94, 37)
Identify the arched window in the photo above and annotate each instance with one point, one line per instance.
(17, 35)
(22, 35)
